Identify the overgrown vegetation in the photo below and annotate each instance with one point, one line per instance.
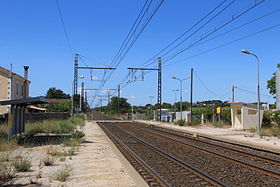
(21, 164)
(5, 156)
(71, 152)
(194, 122)
(48, 160)
(7, 171)
(63, 173)
(181, 122)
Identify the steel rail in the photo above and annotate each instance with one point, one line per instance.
(260, 169)
(195, 170)
(159, 179)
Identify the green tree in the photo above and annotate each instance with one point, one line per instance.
(113, 105)
(271, 84)
(54, 93)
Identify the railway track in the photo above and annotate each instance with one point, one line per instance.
(167, 170)
(266, 165)
(225, 163)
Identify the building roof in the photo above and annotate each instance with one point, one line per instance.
(25, 101)
(7, 72)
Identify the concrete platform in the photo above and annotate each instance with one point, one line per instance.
(99, 163)
(225, 134)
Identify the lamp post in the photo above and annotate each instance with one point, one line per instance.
(258, 86)
(175, 97)
(181, 97)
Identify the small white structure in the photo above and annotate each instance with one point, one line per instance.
(244, 115)
(185, 115)
(164, 115)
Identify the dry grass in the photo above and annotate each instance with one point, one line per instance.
(63, 173)
(5, 156)
(21, 164)
(48, 160)
(7, 171)
(273, 131)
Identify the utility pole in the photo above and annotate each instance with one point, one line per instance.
(75, 80)
(159, 98)
(159, 89)
(191, 99)
(81, 97)
(75, 90)
(119, 95)
(233, 87)
(86, 99)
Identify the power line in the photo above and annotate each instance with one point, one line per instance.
(128, 43)
(225, 44)
(64, 28)
(121, 56)
(185, 32)
(215, 30)
(208, 89)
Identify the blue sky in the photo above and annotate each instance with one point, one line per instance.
(32, 34)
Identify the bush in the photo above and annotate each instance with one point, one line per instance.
(73, 142)
(275, 131)
(64, 127)
(70, 152)
(21, 164)
(48, 160)
(194, 122)
(77, 134)
(181, 122)
(6, 171)
(63, 173)
(218, 124)
(275, 118)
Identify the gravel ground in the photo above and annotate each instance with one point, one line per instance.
(226, 171)
(95, 164)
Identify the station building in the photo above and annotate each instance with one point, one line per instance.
(12, 86)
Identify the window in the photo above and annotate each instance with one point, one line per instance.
(17, 89)
(22, 90)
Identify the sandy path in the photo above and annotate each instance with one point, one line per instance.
(97, 164)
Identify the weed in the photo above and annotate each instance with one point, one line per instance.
(77, 134)
(48, 160)
(21, 164)
(62, 159)
(63, 173)
(194, 122)
(40, 170)
(6, 145)
(218, 124)
(73, 142)
(275, 131)
(181, 122)
(5, 156)
(6, 171)
(70, 152)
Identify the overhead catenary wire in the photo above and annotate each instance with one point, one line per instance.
(215, 30)
(121, 56)
(131, 40)
(225, 44)
(184, 33)
(64, 28)
(208, 89)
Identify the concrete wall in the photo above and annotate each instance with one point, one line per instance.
(235, 117)
(184, 115)
(250, 117)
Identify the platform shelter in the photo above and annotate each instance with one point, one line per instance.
(16, 117)
(244, 115)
